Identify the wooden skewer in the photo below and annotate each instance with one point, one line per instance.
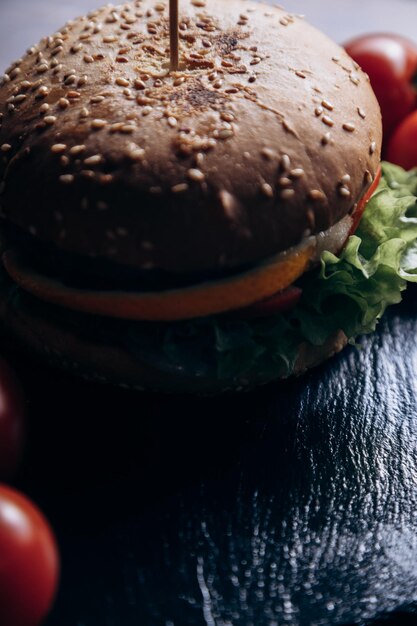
(173, 35)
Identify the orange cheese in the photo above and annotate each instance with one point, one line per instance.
(208, 298)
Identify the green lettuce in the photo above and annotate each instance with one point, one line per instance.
(349, 292)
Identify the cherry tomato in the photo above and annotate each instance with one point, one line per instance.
(29, 561)
(391, 62)
(402, 148)
(12, 420)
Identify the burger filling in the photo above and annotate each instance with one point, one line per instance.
(255, 321)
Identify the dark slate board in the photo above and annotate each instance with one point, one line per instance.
(295, 504)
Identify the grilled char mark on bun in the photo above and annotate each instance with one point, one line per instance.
(267, 134)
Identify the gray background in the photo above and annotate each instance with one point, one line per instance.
(24, 22)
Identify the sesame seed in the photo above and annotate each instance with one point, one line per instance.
(96, 99)
(318, 111)
(286, 194)
(112, 18)
(20, 98)
(76, 48)
(109, 39)
(70, 80)
(42, 92)
(15, 73)
(87, 173)
(6, 147)
(226, 116)
(66, 179)
(300, 74)
(42, 68)
(368, 177)
(180, 188)
(58, 148)
(122, 59)
(297, 173)
(218, 84)
(344, 192)
(196, 175)
(88, 58)
(179, 81)
(122, 82)
(256, 61)
(327, 105)
(114, 128)
(350, 128)
(285, 162)
(198, 3)
(50, 120)
(345, 179)
(127, 129)
(226, 133)
(64, 160)
(267, 190)
(172, 121)
(98, 124)
(284, 181)
(147, 110)
(25, 85)
(96, 159)
(82, 81)
(135, 153)
(326, 139)
(84, 112)
(327, 120)
(73, 95)
(354, 79)
(316, 194)
(44, 108)
(361, 113)
(63, 103)
(251, 79)
(269, 154)
(76, 150)
(372, 148)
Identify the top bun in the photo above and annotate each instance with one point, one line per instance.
(268, 131)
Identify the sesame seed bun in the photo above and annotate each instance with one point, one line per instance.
(267, 132)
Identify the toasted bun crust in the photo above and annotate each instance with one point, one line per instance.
(267, 131)
(83, 355)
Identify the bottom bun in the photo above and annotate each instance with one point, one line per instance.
(88, 356)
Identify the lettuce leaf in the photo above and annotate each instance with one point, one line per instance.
(349, 292)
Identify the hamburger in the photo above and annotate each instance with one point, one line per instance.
(194, 230)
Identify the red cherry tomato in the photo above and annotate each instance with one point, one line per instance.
(12, 420)
(29, 562)
(391, 62)
(402, 148)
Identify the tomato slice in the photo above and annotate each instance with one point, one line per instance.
(279, 303)
(357, 215)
